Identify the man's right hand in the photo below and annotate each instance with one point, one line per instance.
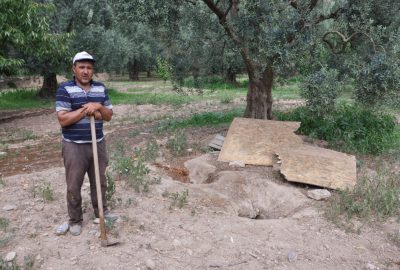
(67, 118)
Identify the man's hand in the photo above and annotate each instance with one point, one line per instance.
(92, 107)
(67, 118)
(102, 112)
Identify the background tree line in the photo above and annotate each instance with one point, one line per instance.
(331, 44)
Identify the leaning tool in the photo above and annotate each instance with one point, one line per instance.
(103, 236)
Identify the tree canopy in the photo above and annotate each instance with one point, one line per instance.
(329, 42)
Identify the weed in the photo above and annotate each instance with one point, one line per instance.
(178, 199)
(28, 262)
(133, 169)
(134, 133)
(2, 182)
(5, 240)
(378, 196)
(395, 238)
(45, 191)
(8, 265)
(109, 224)
(177, 144)
(110, 187)
(4, 222)
(150, 153)
(156, 180)
(226, 99)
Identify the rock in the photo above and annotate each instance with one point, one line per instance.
(9, 207)
(150, 264)
(176, 243)
(3, 154)
(370, 266)
(237, 164)
(39, 258)
(10, 256)
(318, 194)
(39, 207)
(292, 256)
(200, 169)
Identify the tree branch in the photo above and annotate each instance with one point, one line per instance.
(333, 15)
(312, 5)
(239, 42)
(345, 40)
(293, 3)
(228, 9)
(193, 2)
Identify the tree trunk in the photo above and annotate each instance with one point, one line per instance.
(259, 96)
(148, 72)
(133, 70)
(231, 77)
(49, 87)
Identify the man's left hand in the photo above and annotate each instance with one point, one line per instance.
(92, 107)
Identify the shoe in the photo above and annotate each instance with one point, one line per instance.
(62, 229)
(75, 229)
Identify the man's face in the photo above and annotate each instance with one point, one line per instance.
(83, 71)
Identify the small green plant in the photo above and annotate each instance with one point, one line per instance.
(134, 133)
(395, 238)
(178, 199)
(2, 182)
(133, 169)
(4, 222)
(8, 265)
(177, 144)
(226, 99)
(150, 152)
(5, 240)
(109, 224)
(163, 69)
(29, 261)
(45, 191)
(110, 187)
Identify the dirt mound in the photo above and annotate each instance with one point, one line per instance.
(256, 197)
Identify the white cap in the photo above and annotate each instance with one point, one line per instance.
(80, 56)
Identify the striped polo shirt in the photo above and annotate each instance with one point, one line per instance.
(71, 97)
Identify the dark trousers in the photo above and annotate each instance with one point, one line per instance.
(78, 160)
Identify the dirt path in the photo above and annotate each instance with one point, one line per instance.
(207, 233)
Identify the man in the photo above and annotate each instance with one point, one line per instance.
(76, 101)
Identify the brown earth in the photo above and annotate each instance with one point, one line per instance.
(242, 218)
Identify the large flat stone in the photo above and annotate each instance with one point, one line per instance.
(318, 166)
(255, 141)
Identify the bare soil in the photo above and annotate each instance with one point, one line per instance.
(280, 229)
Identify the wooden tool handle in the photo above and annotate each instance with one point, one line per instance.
(103, 235)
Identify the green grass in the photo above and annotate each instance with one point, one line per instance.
(288, 91)
(23, 99)
(374, 196)
(350, 128)
(148, 98)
